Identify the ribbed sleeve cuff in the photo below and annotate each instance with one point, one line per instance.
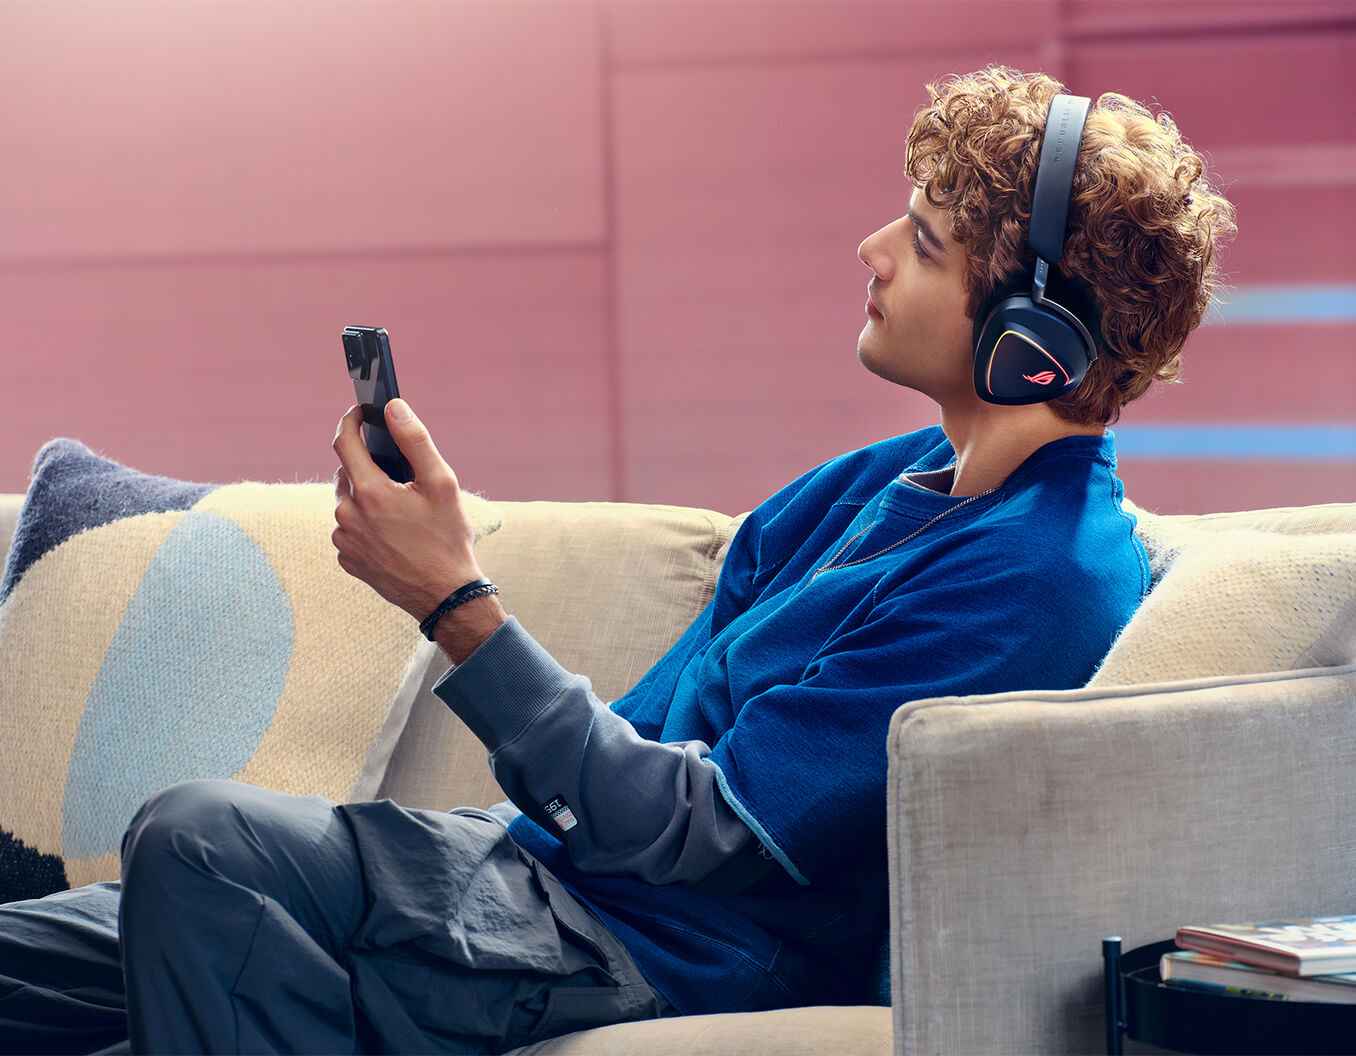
(505, 684)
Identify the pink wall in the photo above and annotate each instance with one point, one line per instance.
(614, 241)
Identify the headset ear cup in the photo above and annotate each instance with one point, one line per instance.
(1026, 353)
(1030, 347)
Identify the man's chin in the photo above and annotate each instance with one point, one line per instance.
(872, 360)
(864, 346)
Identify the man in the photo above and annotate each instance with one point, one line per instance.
(715, 839)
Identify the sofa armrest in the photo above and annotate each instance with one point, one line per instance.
(1026, 827)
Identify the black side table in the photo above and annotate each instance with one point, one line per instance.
(1141, 1006)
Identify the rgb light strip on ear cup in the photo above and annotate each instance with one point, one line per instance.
(1038, 378)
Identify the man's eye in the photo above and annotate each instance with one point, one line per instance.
(918, 250)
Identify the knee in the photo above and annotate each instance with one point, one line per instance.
(173, 824)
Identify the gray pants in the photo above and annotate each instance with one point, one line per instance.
(251, 921)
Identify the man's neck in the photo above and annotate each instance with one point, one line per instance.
(991, 442)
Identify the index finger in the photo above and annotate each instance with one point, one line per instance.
(352, 451)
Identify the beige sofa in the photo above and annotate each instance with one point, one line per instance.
(1208, 773)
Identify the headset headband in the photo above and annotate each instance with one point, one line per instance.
(1054, 185)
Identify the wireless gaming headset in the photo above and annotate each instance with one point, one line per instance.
(1028, 348)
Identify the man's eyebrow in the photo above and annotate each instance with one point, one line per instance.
(925, 229)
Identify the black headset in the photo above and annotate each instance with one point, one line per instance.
(1030, 347)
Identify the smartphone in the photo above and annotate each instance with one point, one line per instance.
(368, 352)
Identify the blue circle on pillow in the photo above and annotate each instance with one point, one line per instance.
(189, 684)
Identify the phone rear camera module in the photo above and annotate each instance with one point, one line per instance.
(358, 361)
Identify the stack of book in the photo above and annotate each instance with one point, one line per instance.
(1295, 960)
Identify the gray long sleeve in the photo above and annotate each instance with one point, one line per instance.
(621, 804)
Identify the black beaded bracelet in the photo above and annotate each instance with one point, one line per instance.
(477, 588)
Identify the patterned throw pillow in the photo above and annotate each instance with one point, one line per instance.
(155, 630)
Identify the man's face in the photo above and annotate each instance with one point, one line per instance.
(917, 332)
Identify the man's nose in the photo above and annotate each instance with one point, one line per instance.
(872, 253)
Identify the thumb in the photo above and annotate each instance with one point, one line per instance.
(413, 439)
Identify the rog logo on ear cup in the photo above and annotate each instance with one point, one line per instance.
(1029, 353)
(1031, 340)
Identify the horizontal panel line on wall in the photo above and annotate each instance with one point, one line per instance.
(208, 257)
(1116, 27)
(756, 60)
(1272, 31)
(1284, 165)
(1333, 442)
(1245, 305)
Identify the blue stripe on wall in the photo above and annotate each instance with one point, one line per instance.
(1271, 441)
(1244, 305)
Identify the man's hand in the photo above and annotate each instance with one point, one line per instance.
(412, 543)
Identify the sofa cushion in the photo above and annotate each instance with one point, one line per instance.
(1241, 593)
(154, 630)
(840, 1030)
(605, 587)
(9, 514)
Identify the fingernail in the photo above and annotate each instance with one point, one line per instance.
(400, 410)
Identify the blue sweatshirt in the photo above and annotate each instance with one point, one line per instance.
(762, 732)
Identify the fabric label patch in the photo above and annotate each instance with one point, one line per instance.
(560, 813)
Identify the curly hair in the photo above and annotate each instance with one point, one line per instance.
(1145, 226)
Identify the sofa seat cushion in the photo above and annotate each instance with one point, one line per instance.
(843, 1030)
(154, 631)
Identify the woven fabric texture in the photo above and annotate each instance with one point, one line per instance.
(155, 631)
(605, 587)
(1239, 594)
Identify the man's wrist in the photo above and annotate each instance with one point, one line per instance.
(468, 592)
(463, 630)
